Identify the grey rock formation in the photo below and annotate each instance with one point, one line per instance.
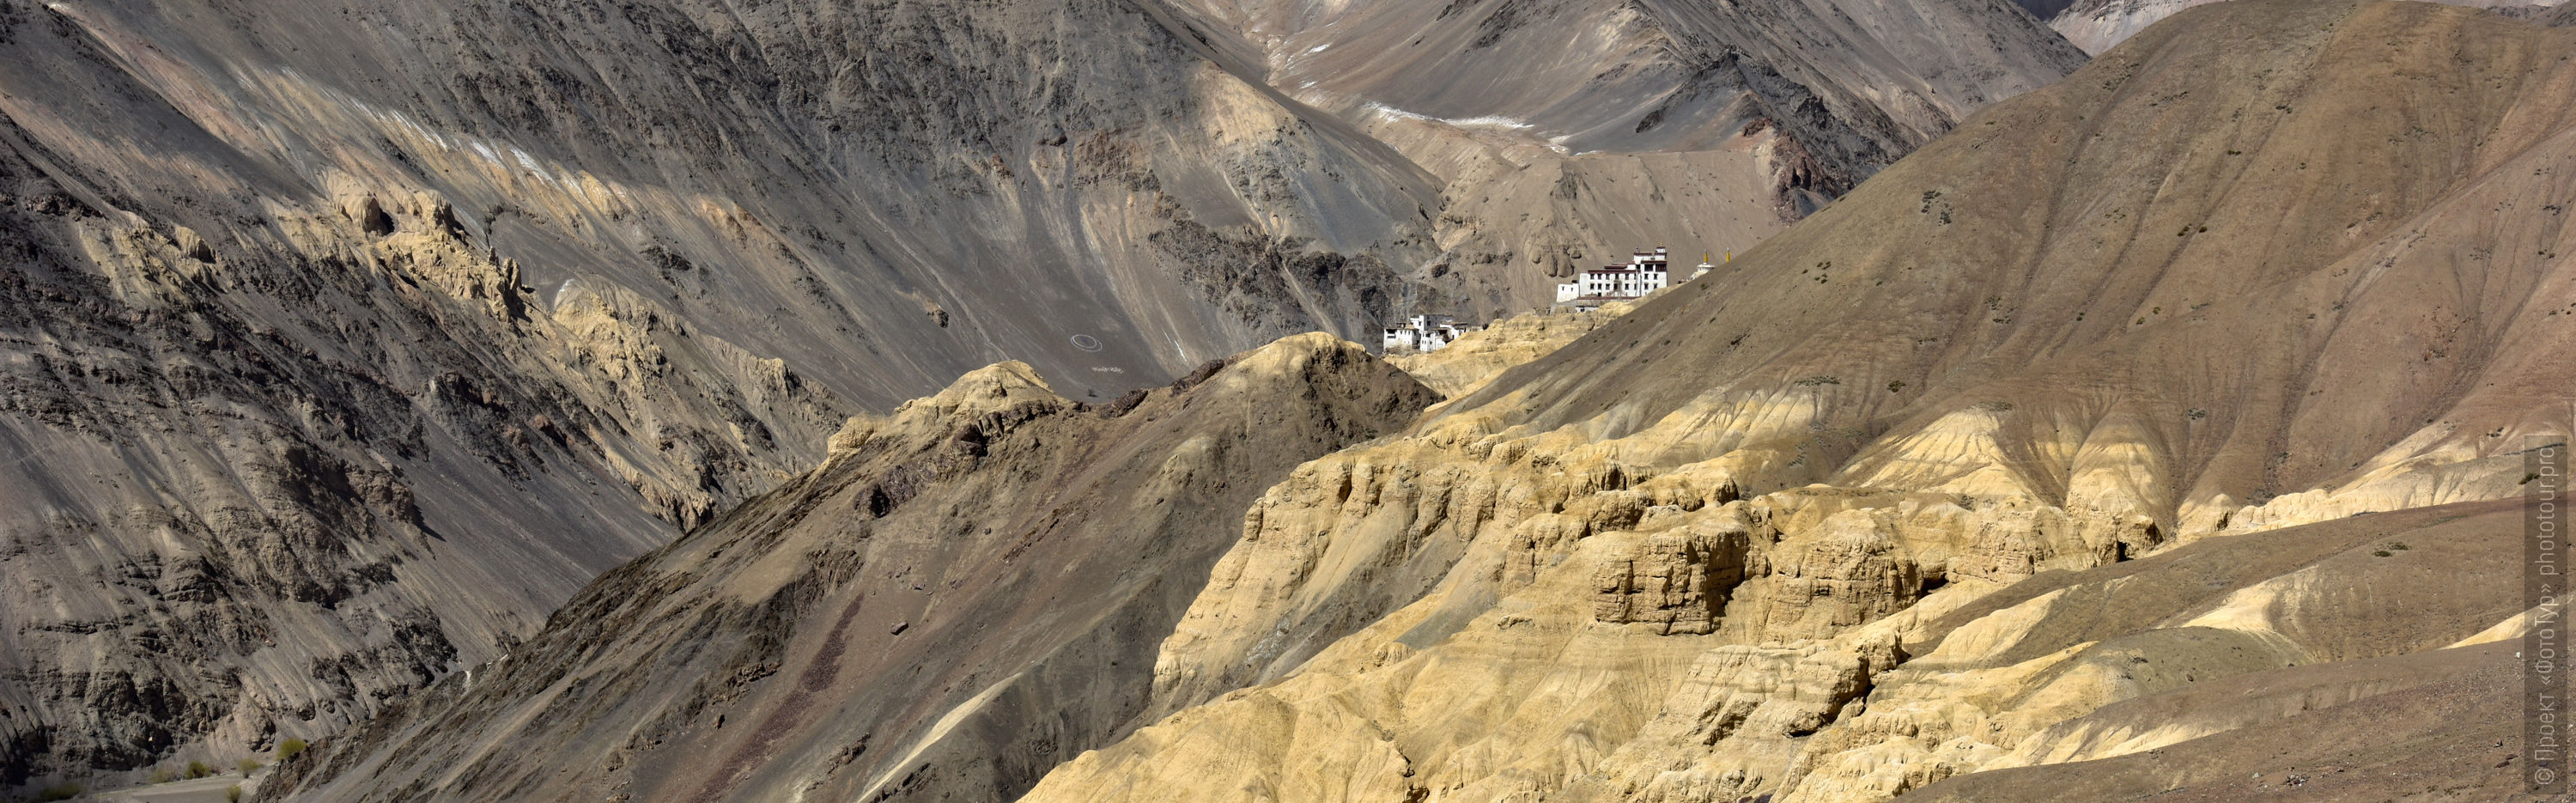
(256, 489)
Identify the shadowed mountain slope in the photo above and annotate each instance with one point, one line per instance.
(820, 184)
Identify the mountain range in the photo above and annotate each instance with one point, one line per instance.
(2159, 431)
(952, 400)
(345, 345)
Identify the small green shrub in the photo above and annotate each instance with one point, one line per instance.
(198, 769)
(233, 795)
(2380, 552)
(162, 775)
(2397, 545)
(61, 791)
(1819, 379)
(248, 766)
(287, 749)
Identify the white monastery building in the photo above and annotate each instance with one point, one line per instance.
(1425, 333)
(1646, 272)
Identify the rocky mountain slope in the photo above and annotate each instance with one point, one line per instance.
(964, 593)
(344, 345)
(343, 348)
(269, 466)
(2047, 444)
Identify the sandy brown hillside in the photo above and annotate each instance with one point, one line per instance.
(1830, 527)
(966, 592)
(2307, 277)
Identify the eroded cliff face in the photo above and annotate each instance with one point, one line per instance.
(2005, 460)
(262, 484)
(965, 592)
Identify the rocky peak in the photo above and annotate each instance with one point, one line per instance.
(999, 391)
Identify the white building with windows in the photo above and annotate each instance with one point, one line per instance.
(1425, 333)
(1646, 272)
